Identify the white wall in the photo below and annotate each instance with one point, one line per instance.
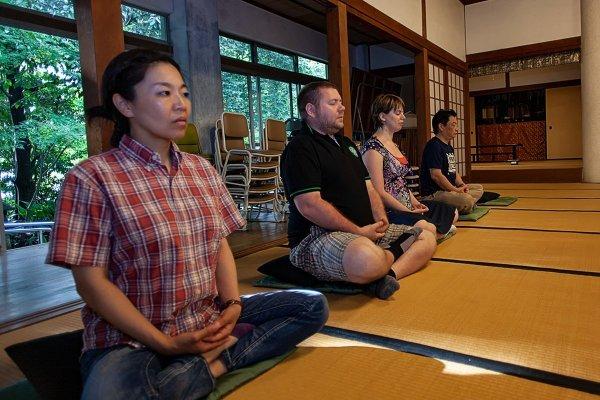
(557, 73)
(242, 19)
(487, 82)
(446, 25)
(407, 12)
(499, 24)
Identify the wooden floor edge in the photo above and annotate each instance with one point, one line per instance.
(259, 247)
(40, 316)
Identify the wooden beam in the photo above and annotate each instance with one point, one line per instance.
(394, 72)
(244, 67)
(19, 17)
(529, 50)
(422, 100)
(100, 34)
(339, 60)
(399, 33)
(32, 20)
(467, 2)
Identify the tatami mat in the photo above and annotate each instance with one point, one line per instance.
(370, 373)
(246, 268)
(568, 221)
(526, 203)
(552, 194)
(536, 319)
(557, 250)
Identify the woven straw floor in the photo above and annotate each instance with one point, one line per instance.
(534, 324)
(543, 249)
(565, 221)
(539, 311)
(365, 373)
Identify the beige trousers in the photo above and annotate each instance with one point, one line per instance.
(464, 202)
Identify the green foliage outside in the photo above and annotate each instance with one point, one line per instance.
(135, 20)
(312, 67)
(144, 23)
(235, 49)
(42, 130)
(42, 133)
(61, 8)
(275, 59)
(274, 99)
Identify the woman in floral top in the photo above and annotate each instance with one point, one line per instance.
(388, 168)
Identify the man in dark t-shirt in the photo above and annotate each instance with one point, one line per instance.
(338, 228)
(440, 179)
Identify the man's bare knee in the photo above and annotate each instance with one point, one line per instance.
(426, 226)
(364, 261)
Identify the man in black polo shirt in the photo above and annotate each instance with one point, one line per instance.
(338, 228)
(440, 180)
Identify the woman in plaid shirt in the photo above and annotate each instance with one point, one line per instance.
(143, 228)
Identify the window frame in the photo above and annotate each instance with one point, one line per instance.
(254, 65)
(24, 18)
(254, 69)
(166, 40)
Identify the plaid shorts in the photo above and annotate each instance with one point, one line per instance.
(321, 252)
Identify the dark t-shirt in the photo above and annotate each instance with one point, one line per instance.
(314, 162)
(437, 155)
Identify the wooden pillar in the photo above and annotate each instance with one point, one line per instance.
(339, 60)
(422, 100)
(468, 112)
(590, 92)
(195, 36)
(100, 34)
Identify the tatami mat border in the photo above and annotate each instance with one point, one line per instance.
(517, 266)
(512, 228)
(560, 198)
(542, 210)
(551, 378)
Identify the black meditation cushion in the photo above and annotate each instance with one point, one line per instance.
(51, 364)
(282, 269)
(488, 196)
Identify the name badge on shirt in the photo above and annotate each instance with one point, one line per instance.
(451, 163)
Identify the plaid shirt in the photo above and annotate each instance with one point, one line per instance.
(157, 233)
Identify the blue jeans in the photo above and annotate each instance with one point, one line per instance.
(281, 320)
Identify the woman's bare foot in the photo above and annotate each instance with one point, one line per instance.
(213, 354)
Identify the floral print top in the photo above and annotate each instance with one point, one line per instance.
(394, 171)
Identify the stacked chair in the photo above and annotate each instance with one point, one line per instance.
(252, 176)
(190, 142)
(412, 181)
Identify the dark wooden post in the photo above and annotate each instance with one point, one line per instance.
(100, 34)
(339, 60)
(422, 101)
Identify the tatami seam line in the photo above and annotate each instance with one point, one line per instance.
(512, 228)
(533, 374)
(518, 266)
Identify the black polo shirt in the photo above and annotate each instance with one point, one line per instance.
(437, 155)
(314, 162)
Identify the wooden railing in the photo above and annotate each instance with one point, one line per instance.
(511, 152)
